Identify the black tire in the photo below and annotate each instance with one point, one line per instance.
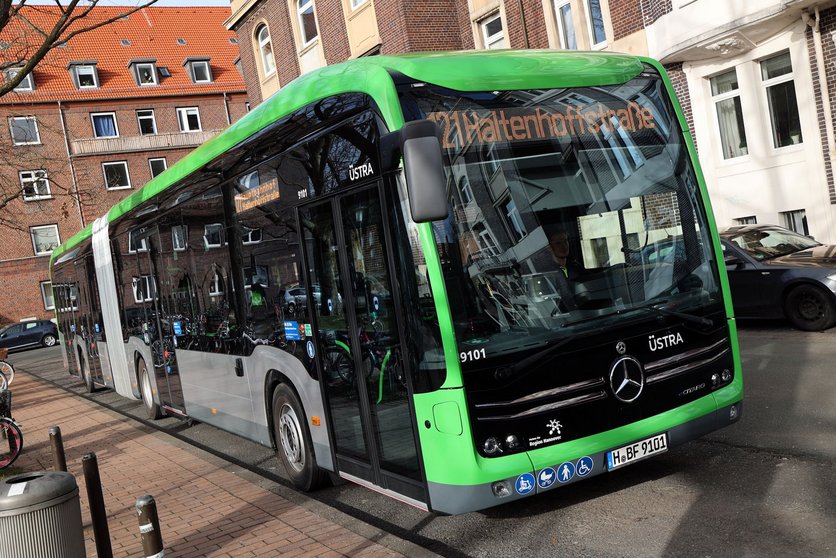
(810, 308)
(8, 372)
(48, 340)
(293, 441)
(152, 410)
(10, 435)
(89, 386)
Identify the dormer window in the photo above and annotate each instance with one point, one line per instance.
(84, 75)
(145, 72)
(26, 84)
(199, 70)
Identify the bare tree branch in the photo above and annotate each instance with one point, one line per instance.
(60, 32)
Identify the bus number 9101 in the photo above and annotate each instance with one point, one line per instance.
(467, 356)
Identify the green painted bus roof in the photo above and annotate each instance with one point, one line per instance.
(478, 70)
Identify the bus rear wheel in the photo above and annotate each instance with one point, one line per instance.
(152, 410)
(293, 440)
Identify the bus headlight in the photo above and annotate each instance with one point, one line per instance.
(726, 375)
(511, 442)
(492, 446)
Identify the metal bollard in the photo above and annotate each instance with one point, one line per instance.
(97, 507)
(58, 459)
(149, 527)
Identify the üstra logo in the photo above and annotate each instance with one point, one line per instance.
(664, 341)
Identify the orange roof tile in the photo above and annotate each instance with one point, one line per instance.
(151, 33)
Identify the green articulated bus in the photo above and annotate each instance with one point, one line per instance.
(459, 279)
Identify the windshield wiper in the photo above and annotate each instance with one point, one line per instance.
(673, 313)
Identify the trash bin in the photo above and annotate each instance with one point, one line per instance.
(40, 516)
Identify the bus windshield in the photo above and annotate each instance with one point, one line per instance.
(569, 208)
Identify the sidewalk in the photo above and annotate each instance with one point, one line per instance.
(207, 506)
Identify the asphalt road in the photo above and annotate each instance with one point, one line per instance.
(766, 486)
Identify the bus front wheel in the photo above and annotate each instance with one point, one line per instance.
(293, 440)
(152, 410)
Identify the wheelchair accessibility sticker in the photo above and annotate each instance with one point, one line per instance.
(310, 347)
(585, 465)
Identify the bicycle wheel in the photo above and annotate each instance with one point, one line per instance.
(10, 432)
(4, 382)
(8, 371)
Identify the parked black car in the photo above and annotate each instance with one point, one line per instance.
(777, 273)
(29, 334)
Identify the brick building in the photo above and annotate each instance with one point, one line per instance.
(97, 119)
(747, 74)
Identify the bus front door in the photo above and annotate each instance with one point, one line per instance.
(359, 343)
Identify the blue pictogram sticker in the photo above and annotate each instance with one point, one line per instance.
(546, 477)
(291, 331)
(178, 329)
(72, 328)
(525, 483)
(330, 306)
(585, 465)
(97, 328)
(566, 471)
(310, 348)
(376, 303)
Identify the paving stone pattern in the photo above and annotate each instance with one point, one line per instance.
(206, 507)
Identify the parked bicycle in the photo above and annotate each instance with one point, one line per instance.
(11, 436)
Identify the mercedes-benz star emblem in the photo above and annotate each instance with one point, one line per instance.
(626, 379)
(621, 347)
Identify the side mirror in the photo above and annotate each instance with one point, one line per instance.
(424, 171)
(732, 261)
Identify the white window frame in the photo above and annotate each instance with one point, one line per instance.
(77, 69)
(44, 290)
(26, 84)
(591, 27)
(174, 244)
(268, 64)
(489, 40)
(561, 32)
(355, 4)
(35, 244)
(301, 7)
(138, 69)
(766, 84)
(150, 288)
(141, 246)
(183, 118)
(151, 166)
(35, 176)
(205, 63)
(146, 116)
(216, 284)
(93, 116)
(247, 234)
(720, 97)
(206, 231)
(127, 174)
(37, 130)
(748, 220)
(796, 217)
